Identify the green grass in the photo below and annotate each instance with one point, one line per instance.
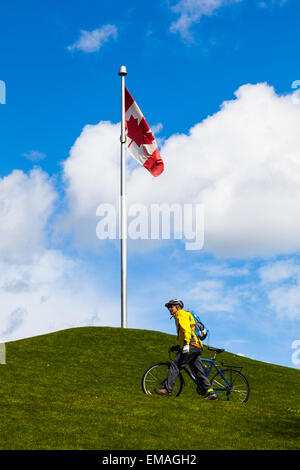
(81, 389)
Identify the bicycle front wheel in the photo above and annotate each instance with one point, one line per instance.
(238, 389)
(155, 377)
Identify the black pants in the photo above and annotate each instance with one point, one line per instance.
(193, 360)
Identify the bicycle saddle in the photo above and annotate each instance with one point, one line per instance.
(218, 351)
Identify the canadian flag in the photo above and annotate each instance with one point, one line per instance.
(141, 142)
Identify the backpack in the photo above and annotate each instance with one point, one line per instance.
(200, 330)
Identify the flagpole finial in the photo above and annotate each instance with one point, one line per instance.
(122, 70)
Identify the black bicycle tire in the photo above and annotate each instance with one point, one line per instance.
(158, 364)
(236, 372)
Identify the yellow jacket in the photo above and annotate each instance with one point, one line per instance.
(185, 325)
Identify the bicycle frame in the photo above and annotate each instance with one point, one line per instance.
(207, 371)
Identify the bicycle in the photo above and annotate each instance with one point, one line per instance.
(229, 383)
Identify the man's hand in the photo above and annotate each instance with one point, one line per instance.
(186, 349)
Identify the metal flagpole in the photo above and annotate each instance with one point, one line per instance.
(123, 209)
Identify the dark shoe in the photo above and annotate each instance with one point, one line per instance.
(211, 396)
(201, 390)
(162, 391)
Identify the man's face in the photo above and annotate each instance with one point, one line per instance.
(173, 309)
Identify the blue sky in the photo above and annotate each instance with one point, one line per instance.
(215, 78)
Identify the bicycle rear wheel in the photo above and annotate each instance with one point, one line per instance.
(155, 377)
(239, 387)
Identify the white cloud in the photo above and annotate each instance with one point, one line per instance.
(34, 155)
(92, 41)
(26, 202)
(91, 176)
(157, 128)
(242, 163)
(223, 270)
(50, 293)
(285, 301)
(191, 11)
(42, 289)
(266, 3)
(213, 296)
(281, 283)
(279, 271)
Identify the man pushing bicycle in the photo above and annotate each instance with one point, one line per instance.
(189, 351)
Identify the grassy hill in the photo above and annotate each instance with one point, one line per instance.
(81, 389)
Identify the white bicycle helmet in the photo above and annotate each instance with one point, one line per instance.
(174, 302)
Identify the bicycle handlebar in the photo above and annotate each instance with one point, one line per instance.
(215, 350)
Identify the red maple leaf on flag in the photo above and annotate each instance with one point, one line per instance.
(140, 133)
(141, 142)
